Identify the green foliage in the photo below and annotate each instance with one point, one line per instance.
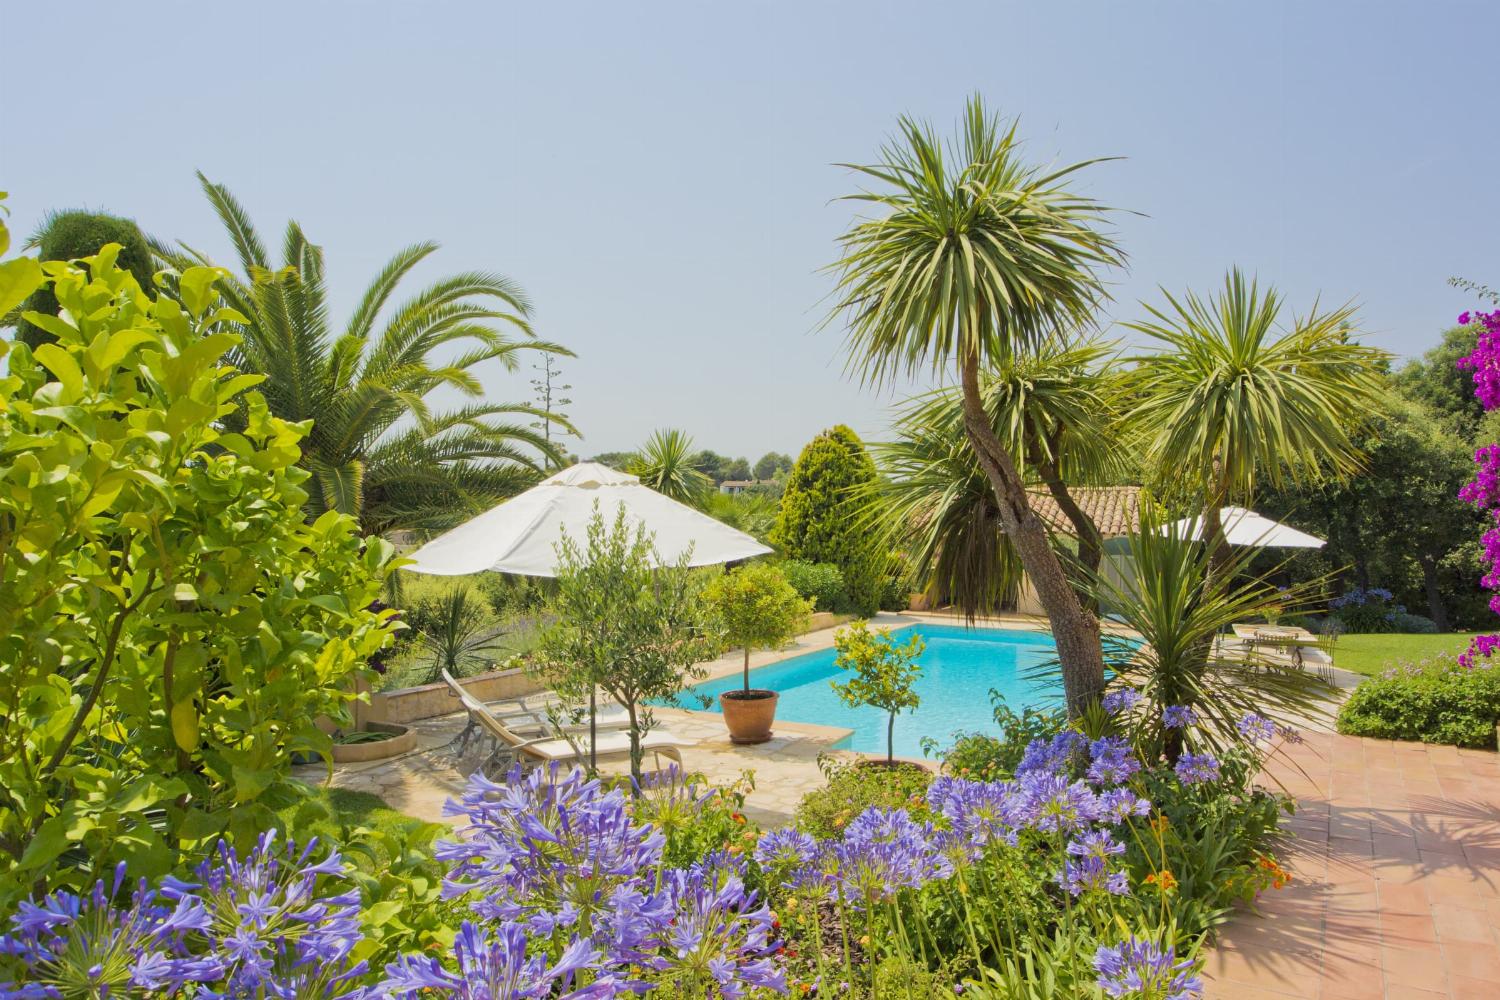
(1413, 465)
(823, 583)
(173, 626)
(1373, 654)
(885, 674)
(1437, 383)
(772, 464)
(695, 820)
(624, 621)
(458, 633)
(667, 464)
(756, 608)
(378, 448)
(1179, 605)
(1436, 701)
(72, 235)
(1232, 403)
(853, 787)
(750, 511)
(982, 757)
(820, 519)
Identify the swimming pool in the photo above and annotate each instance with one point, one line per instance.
(960, 667)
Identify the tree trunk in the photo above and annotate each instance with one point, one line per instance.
(1435, 607)
(747, 668)
(1219, 554)
(1074, 628)
(1090, 542)
(890, 740)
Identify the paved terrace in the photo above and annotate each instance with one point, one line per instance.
(1396, 891)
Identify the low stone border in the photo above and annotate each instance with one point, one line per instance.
(403, 739)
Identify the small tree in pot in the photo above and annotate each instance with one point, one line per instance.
(756, 608)
(884, 674)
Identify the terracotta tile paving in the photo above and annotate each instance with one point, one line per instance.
(1396, 856)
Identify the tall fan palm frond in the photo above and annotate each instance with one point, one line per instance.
(380, 446)
(1232, 401)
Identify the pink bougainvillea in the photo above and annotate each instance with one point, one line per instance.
(1484, 490)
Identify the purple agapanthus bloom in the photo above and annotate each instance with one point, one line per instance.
(790, 854)
(1140, 970)
(1092, 874)
(719, 933)
(884, 851)
(1052, 803)
(1178, 717)
(274, 924)
(1054, 755)
(1095, 844)
(978, 812)
(541, 839)
(1112, 761)
(1115, 805)
(1194, 769)
(88, 945)
(497, 967)
(1256, 727)
(1289, 734)
(1121, 700)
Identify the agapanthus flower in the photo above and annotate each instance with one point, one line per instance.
(1193, 769)
(1121, 700)
(1288, 734)
(719, 933)
(1178, 717)
(496, 966)
(789, 853)
(1115, 805)
(1140, 970)
(1092, 874)
(978, 812)
(86, 945)
(884, 851)
(1256, 727)
(541, 841)
(1052, 803)
(276, 922)
(1112, 761)
(1054, 755)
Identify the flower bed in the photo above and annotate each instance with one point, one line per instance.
(1089, 871)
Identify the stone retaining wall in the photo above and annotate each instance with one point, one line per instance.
(429, 700)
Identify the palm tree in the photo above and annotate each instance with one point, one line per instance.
(377, 448)
(666, 465)
(972, 263)
(1053, 409)
(1232, 402)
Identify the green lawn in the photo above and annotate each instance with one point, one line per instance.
(327, 813)
(1371, 653)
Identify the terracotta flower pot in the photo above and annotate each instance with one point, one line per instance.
(749, 714)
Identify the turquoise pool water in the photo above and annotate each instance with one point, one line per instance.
(959, 669)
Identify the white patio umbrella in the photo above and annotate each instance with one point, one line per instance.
(1246, 527)
(520, 535)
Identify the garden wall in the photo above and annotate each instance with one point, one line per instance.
(428, 700)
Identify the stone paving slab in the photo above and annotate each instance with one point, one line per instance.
(1395, 852)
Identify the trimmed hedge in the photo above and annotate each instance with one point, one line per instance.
(1437, 701)
(75, 233)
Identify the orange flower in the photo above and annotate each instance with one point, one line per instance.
(1164, 880)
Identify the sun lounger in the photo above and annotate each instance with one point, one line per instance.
(512, 746)
(538, 720)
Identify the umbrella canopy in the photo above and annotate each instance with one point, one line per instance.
(519, 536)
(1245, 527)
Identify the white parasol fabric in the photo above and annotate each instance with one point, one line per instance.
(520, 535)
(1246, 527)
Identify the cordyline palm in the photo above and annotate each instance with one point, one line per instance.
(666, 465)
(1053, 409)
(377, 448)
(1232, 401)
(977, 258)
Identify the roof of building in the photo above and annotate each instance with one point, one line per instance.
(1116, 510)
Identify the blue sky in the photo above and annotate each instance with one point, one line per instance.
(658, 176)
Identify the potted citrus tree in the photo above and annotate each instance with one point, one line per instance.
(756, 608)
(885, 674)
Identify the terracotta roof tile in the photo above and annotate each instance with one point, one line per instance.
(1115, 509)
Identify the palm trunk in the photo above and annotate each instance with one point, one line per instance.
(1213, 524)
(1090, 542)
(1074, 628)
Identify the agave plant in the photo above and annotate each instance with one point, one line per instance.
(1181, 606)
(378, 448)
(666, 465)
